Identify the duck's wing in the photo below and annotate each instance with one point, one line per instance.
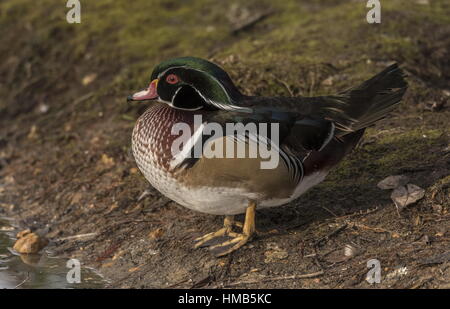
(293, 137)
(299, 132)
(351, 110)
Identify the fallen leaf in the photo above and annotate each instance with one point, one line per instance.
(108, 161)
(156, 234)
(393, 182)
(406, 195)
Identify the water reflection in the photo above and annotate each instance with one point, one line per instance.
(38, 270)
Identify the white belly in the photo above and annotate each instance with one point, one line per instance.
(215, 200)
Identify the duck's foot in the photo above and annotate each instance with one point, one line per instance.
(225, 241)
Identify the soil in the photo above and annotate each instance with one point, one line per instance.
(66, 167)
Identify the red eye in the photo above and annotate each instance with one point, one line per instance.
(172, 79)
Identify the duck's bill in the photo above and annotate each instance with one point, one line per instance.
(146, 94)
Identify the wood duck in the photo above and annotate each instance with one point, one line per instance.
(313, 134)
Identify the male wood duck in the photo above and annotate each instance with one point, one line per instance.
(314, 134)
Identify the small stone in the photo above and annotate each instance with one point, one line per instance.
(406, 195)
(393, 182)
(29, 242)
(43, 108)
(89, 79)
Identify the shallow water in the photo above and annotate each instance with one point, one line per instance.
(37, 271)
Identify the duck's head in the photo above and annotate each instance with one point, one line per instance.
(190, 84)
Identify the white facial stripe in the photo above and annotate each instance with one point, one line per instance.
(186, 151)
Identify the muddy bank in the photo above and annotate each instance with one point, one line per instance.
(66, 168)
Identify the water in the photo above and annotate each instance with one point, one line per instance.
(37, 271)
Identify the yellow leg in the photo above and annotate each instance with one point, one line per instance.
(237, 239)
(228, 223)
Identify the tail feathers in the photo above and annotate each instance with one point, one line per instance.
(362, 106)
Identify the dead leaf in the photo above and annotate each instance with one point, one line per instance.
(406, 195)
(108, 161)
(156, 234)
(393, 182)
